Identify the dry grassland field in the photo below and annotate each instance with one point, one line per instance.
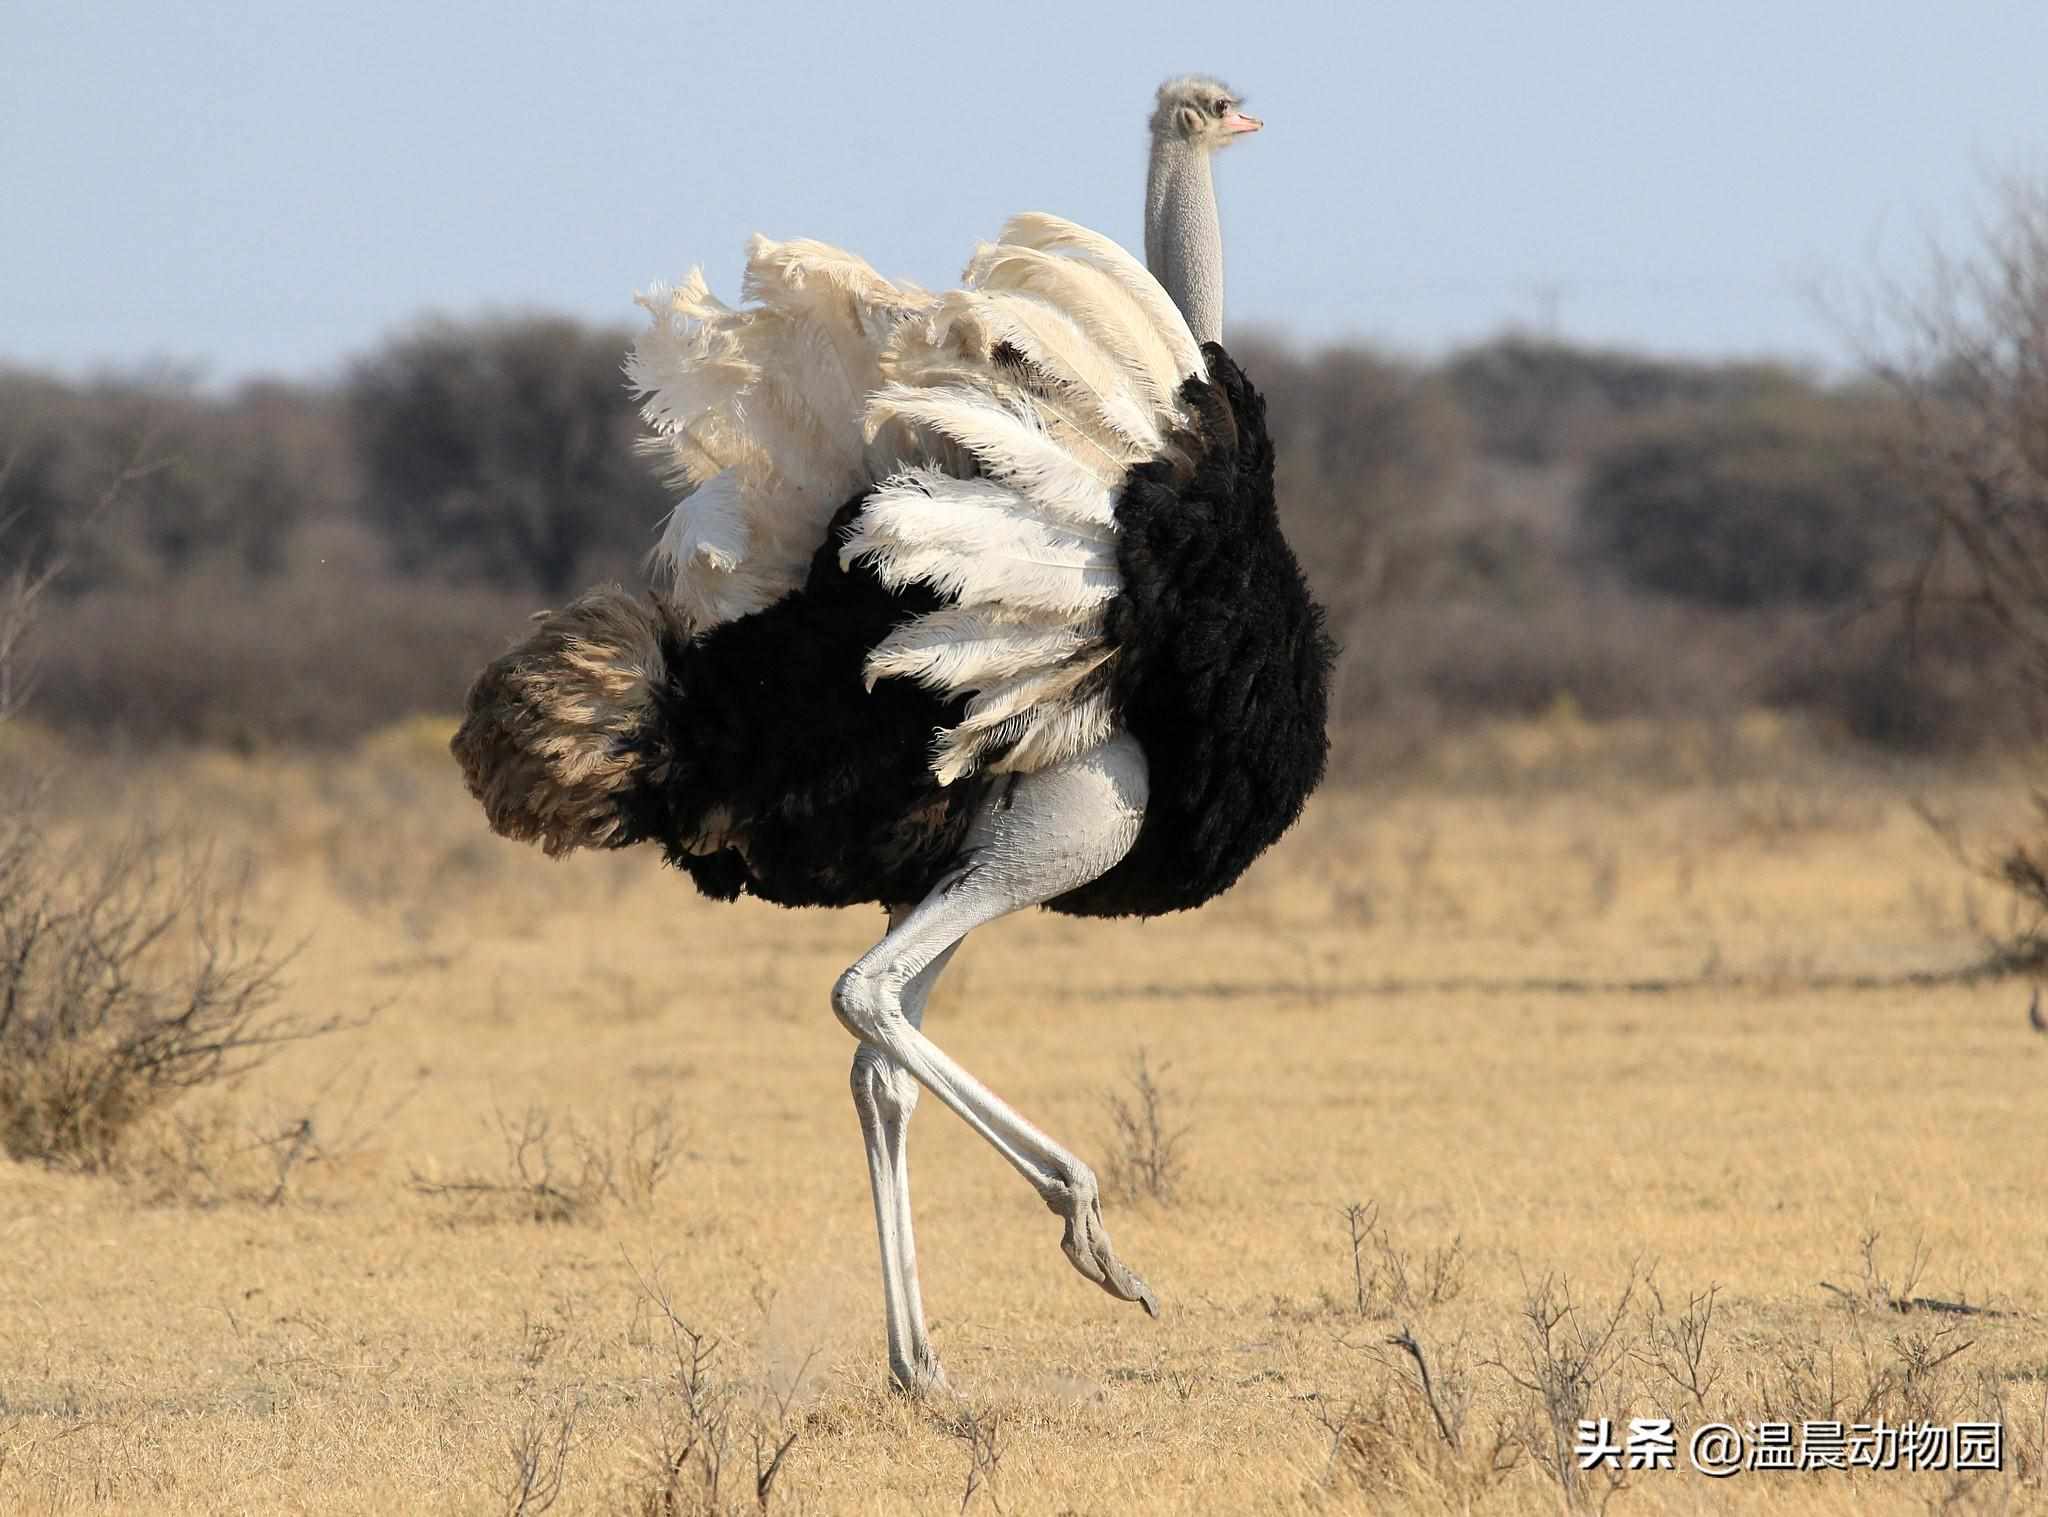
(1621, 1070)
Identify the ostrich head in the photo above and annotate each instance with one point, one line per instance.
(1195, 115)
(1199, 112)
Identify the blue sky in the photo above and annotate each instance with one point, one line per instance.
(272, 187)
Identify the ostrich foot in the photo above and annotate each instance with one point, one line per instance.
(1087, 1246)
(919, 1376)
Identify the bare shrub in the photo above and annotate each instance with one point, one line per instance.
(21, 592)
(1146, 1159)
(570, 1174)
(1407, 1430)
(2023, 870)
(700, 1466)
(1968, 357)
(125, 980)
(1676, 1343)
(982, 1432)
(128, 974)
(538, 1452)
(1879, 1290)
(1971, 365)
(1898, 1377)
(2016, 941)
(1387, 1279)
(1566, 1367)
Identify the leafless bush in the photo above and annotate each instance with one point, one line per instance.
(21, 592)
(1406, 1431)
(1878, 1290)
(128, 973)
(1566, 1367)
(2015, 940)
(1972, 369)
(571, 1174)
(1898, 1377)
(1146, 1160)
(1387, 1279)
(982, 1432)
(699, 1467)
(1676, 1344)
(539, 1455)
(126, 979)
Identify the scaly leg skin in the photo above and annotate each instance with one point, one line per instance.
(1042, 835)
(884, 1096)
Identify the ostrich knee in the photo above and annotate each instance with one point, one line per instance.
(882, 1092)
(867, 1002)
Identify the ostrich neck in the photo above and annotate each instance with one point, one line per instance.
(1183, 239)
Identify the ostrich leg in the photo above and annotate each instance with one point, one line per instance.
(1038, 837)
(884, 1096)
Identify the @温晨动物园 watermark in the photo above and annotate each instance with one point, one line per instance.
(1721, 1449)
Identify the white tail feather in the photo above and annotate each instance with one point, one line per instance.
(1035, 229)
(1032, 716)
(992, 429)
(1017, 694)
(705, 527)
(1048, 733)
(1011, 447)
(913, 511)
(1022, 581)
(966, 650)
(1095, 303)
(1085, 377)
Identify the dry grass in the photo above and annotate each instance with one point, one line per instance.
(1627, 1068)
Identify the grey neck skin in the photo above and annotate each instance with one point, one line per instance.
(1183, 239)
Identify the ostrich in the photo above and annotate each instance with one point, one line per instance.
(977, 601)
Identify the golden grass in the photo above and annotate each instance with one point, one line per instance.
(1558, 1023)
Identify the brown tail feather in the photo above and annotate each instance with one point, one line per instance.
(553, 732)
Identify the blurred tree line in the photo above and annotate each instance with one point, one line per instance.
(1526, 523)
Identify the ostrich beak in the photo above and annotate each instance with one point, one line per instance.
(1238, 121)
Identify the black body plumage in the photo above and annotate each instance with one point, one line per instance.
(764, 727)
(766, 722)
(1222, 669)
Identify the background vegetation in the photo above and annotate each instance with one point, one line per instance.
(1527, 525)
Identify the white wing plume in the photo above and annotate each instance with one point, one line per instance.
(758, 411)
(992, 427)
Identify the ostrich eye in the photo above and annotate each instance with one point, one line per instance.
(1223, 107)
